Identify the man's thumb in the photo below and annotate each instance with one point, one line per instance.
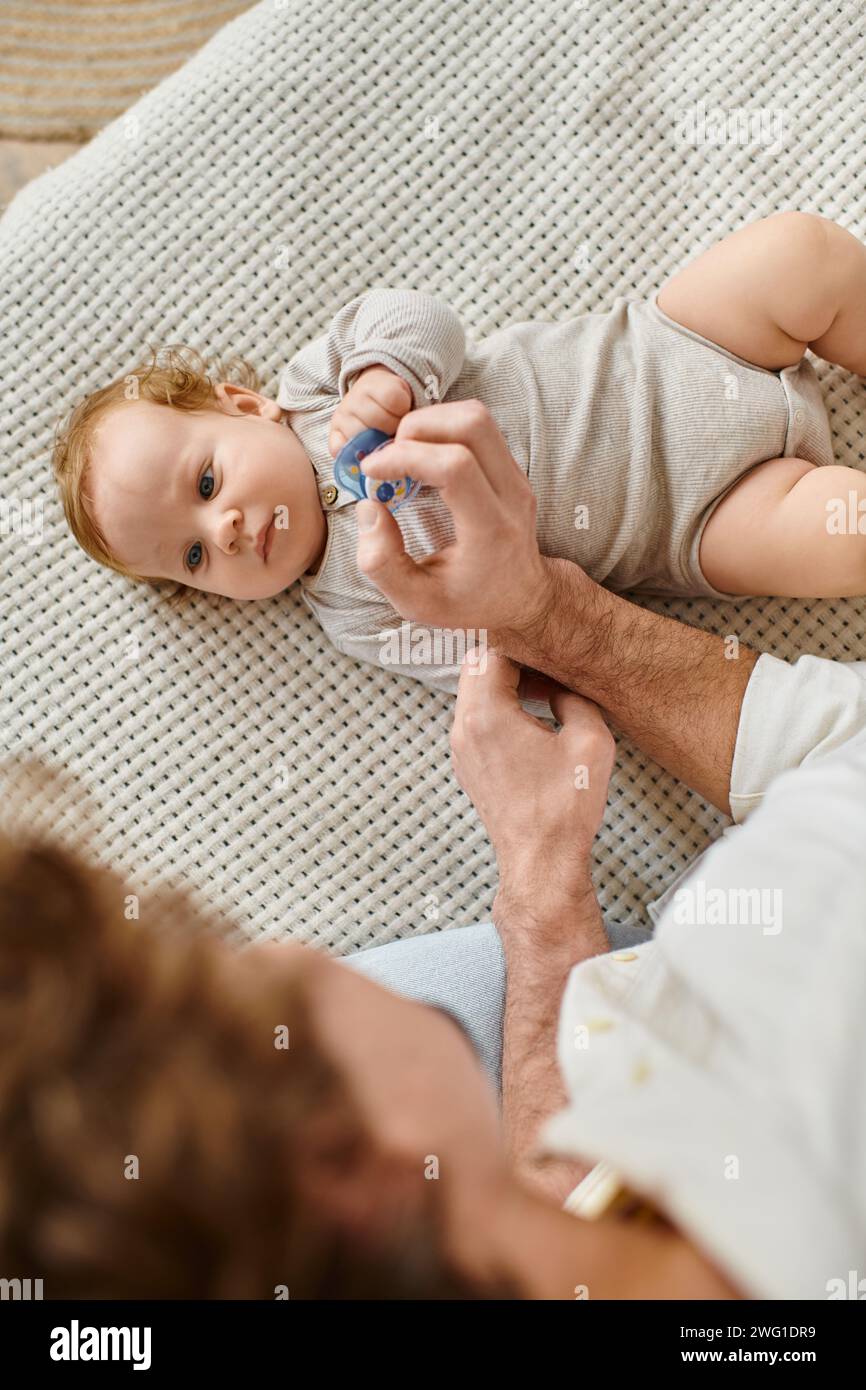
(382, 555)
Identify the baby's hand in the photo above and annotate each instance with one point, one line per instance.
(377, 399)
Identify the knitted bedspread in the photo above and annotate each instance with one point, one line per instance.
(521, 161)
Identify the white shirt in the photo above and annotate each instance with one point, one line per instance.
(791, 715)
(718, 1069)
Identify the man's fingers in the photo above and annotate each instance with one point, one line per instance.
(535, 686)
(382, 557)
(581, 718)
(451, 468)
(486, 698)
(487, 679)
(470, 424)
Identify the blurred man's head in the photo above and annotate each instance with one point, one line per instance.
(181, 1119)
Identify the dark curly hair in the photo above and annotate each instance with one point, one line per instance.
(152, 1137)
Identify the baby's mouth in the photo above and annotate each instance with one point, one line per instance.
(265, 539)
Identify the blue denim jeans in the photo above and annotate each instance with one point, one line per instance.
(462, 970)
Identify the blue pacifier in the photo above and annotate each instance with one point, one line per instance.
(347, 472)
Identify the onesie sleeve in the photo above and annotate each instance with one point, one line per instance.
(793, 714)
(418, 336)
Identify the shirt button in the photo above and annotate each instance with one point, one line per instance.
(330, 494)
(625, 956)
(799, 416)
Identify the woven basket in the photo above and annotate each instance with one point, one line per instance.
(68, 67)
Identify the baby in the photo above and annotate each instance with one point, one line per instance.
(676, 445)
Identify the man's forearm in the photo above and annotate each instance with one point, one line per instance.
(541, 942)
(673, 689)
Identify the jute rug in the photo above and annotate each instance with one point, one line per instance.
(68, 67)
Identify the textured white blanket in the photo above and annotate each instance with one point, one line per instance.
(520, 161)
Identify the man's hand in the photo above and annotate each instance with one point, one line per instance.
(494, 576)
(540, 794)
(377, 399)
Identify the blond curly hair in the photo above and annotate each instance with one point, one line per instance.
(176, 376)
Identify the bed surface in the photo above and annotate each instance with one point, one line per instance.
(518, 161)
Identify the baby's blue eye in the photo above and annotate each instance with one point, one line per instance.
(206, 485)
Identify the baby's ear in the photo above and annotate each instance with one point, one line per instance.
(175, 595)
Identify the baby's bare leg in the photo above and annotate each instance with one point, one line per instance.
(791, 529)
(775, 287)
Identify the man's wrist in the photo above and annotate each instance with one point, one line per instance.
(675, 690)
(562, 587)
(560, 925)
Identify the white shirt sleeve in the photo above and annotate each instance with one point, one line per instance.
(718, 1068)
(791, 714)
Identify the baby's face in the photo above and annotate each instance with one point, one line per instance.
(191, 496)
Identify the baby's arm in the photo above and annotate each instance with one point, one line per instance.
(791, 529)
(414, 334)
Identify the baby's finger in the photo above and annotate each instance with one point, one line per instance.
(379, 402)
(344, 427)
(372, 417)
(389, 391)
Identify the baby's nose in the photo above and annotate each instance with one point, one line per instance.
(228, 531)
